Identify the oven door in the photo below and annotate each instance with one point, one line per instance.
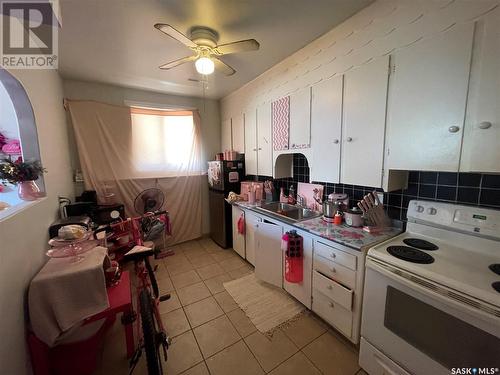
(423, 331)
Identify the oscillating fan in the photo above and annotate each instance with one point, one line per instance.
(149, 200)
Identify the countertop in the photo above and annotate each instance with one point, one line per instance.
(355, 238)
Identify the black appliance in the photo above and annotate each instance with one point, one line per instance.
(223, 177)
(102, 213)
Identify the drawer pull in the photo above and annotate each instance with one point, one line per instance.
(333, 255)
(330, 287)
(331, 305)
(333, 270)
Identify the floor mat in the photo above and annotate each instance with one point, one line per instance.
(267, 306)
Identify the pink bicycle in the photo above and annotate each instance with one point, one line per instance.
(153, 337)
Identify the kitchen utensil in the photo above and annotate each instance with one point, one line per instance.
(340, 197)
(354, 217)
(375, 210)
(330, 208)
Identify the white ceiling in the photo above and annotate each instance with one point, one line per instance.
(114, 41)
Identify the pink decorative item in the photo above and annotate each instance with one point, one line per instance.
(281, 123)
(307, 192)
(28, 191)
(12, 147)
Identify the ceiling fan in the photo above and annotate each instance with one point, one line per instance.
(203, 43)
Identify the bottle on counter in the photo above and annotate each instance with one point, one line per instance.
(337, 219)
(283, 197)
(291, 195)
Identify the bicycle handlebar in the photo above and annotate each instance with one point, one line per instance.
(111, 226)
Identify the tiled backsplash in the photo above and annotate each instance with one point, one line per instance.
(462, 188)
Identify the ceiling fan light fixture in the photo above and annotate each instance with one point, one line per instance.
(204, 65)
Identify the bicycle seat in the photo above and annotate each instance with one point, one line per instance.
(138, 252)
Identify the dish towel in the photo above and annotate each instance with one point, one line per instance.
(63, 294)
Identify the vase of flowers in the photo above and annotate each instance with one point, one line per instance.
(23, 174)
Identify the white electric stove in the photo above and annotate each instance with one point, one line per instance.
(432, 294)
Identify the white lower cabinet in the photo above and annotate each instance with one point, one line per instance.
(333, 274)
(251, 222)
(238, 238)
(302, 291)
(268, 257)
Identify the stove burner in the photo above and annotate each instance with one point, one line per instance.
(495, 268)
(420, 244)
(496, 286)
(410, 254)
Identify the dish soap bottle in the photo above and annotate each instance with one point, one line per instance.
(283, 198)
(291, 195)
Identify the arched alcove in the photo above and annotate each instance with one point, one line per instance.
(17, 123)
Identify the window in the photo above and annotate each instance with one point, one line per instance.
(162, 141)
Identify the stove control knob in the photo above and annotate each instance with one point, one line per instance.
(420, 208)
(431, 211)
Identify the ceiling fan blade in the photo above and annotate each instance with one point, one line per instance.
(177, 35)
(223, 67)
(239, 46)
(173, 64)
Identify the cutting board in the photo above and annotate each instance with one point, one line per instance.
(307, 191)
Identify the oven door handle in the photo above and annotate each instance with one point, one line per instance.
(440, 293)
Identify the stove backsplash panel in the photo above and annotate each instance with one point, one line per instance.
(476, 189)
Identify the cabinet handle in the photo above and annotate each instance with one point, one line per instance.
(335, 141)
(260, 148)
(334, 270)
(333, 255)
(484, 125)
(453, 129)
(330, 287)
(331, 305)
(348, 139)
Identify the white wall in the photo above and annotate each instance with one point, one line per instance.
(209, 112)
(23, 236)
(375, 31)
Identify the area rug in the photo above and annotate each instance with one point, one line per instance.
(267, 306)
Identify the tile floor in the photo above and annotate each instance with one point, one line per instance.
(212, 335)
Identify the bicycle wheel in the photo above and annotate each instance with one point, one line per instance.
(149, 330)
(152, 278)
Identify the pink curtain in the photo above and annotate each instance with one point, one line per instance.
(108, 157)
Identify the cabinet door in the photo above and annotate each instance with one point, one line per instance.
(238, 132)
(427, 98)
(264, 141)
(302, 291)
(481, 148)
(268, 258)
(365, 92)
(300, 119)
(238, 238)
(251, 142)
(251, 222)
(226, 140)
(326, 129)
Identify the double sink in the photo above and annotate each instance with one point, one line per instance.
(289, 212)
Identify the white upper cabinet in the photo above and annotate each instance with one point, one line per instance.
(365, 92)
(226, 139)
(427, 100)
(326, 130)
(481, 147)
(238, 133)
(251, 141)
(300, 119)
(264, 140)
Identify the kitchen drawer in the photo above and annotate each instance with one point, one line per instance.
(338, 256)
(376, 363)
(335, 271)
(332, 289)
(332, 312)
